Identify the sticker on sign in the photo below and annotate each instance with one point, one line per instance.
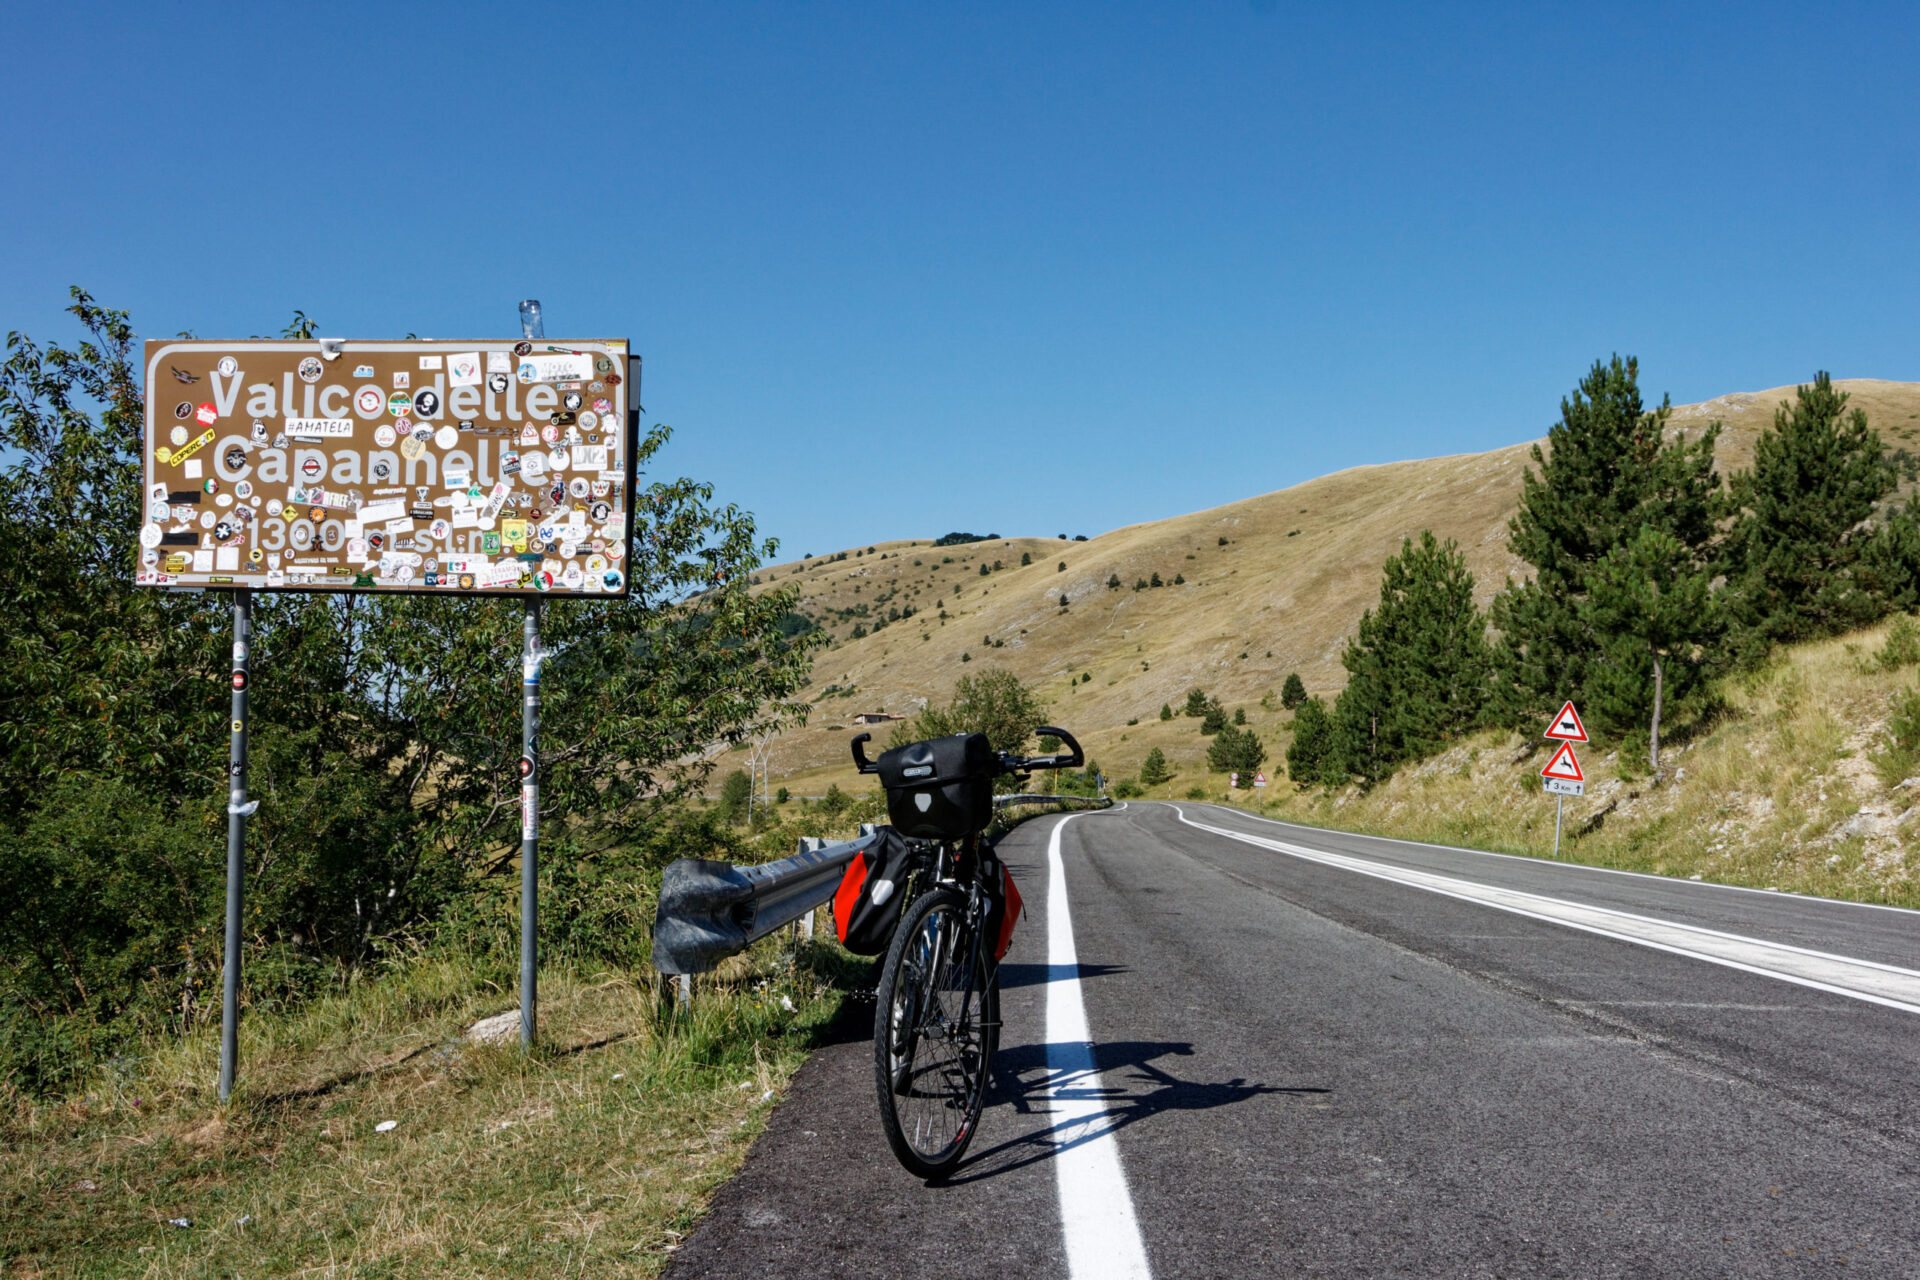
(319, 428)
(1561, 787)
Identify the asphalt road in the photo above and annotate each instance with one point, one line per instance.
(1407, 1061)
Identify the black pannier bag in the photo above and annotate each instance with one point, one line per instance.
(940, 789)
(866, 906)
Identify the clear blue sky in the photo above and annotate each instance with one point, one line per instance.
(903, 269)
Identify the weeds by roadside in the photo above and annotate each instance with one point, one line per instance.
(590, 1155)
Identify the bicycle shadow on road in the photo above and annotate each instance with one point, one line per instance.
(1022, 1076)
(1039, 975)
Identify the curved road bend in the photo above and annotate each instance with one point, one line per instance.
(1321, 1054)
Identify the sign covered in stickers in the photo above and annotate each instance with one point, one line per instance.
(389, 466)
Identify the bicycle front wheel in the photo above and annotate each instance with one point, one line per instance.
(934, 1033)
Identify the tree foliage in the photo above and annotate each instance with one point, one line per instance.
(995, 702)
(1293, 692)
(1314, 756)
(1153, 770)
(1417, 668)
(1798, 547)
(1608, 470)
(1235, 750)
(1655, 613)
(384, 730)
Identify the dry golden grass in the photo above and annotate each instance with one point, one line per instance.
(588, 1157)
(1775, 792)
(1287, 589)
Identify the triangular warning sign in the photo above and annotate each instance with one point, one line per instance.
(1566, 726)
(1565, 765)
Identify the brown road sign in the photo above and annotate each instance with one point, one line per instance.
(476, 467)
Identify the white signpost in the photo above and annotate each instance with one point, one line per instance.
(1562, 777)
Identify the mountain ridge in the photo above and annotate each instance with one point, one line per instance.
(1272, 583)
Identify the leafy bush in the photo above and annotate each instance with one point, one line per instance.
(1196, 793)
(1127, 789)
(735, 791)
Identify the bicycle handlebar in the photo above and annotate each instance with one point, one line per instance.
(1009, 762)
(1074, 758)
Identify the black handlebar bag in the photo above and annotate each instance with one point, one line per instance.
(940, 789)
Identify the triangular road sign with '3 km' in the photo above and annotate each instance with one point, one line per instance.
(1564, 765)
(1566, 726)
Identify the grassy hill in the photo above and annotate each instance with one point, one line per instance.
(1271, 584)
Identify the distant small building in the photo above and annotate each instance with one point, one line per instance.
(875, 717)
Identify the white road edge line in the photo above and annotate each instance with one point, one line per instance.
(1577, 866)
(1096, 1210)
(1865, 980)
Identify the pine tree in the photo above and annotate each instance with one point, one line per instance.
(1312, 757)
(1607, 471)
(1817, 474)
(1196, 702)
(1154, 771)
(1418, 666)
(1166, 712)
(1293, 692)
(1236, 751)
(1890, 562)
(1215, 719)
(1113, 582)
(1659, 618)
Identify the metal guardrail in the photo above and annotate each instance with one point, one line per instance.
(1092, 802)
(710, 910)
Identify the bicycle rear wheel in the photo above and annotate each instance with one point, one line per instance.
(934, 1033)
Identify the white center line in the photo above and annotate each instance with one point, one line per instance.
(1096, 1211)
(1868, 980)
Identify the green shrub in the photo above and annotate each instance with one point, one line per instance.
(1899, 756)
(1902, 648)
(1196, 793)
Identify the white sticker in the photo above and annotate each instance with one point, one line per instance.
(457, 478)
(463, 369)
(319, 428)
(466, 518)
(499, 362)
(496, 500)
(590, 457)
(192, 466)
(560, 367)
(226, 559)
(375, 512)
(149, 535)
(447, 437)
(429, 362)
(203, 562)
(403, 525)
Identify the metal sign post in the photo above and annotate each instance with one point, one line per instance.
(239, 809)
(530, 824)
